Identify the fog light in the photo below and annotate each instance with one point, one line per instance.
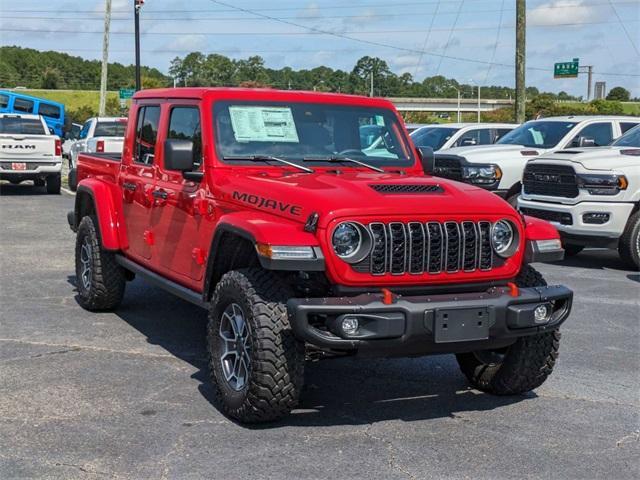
(541, 314)
(595, 218)
(350, 325)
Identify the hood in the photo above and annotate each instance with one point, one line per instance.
(598, 158)
(357, 193)
(482, 152)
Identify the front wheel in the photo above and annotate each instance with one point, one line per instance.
(629, 243)
(520, 367)
(257, 365)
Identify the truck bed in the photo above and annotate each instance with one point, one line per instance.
(105, 166)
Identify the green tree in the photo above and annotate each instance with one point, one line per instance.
(619, 93)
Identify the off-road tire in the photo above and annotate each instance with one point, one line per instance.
(54, 182)
(72, 179)
(629, 243)
(523, 366)
(107, 278)
(572, 250)
(39, 182)
(276, 374)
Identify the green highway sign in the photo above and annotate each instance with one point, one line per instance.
(566, 69)
(126, 93)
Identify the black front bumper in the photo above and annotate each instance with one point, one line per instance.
(422, 325)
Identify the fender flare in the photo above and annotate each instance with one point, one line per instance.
(107, 205)
(538, 229)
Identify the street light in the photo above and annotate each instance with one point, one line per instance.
(473, 82)
(459, 95)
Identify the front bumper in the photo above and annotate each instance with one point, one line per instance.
(593, 233)
(422, 325)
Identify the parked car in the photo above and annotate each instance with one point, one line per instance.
(499, 167)
(70, 136)
(591, 195)
(450, 135)
(98, 135)
(411, 127)
(28, 151)
(52, 112)
(298, 242)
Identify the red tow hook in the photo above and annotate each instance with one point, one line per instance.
(514, 291)
(387, 296)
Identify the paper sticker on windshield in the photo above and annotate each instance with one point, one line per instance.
(263, 124)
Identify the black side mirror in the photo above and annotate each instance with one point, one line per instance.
(428, 159)
(178, 156)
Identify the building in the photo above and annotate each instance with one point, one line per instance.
(601, 90)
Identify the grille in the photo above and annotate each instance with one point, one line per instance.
(559, 217)
(550, 180)
(431, 247)
(390, 189)
(448, 167)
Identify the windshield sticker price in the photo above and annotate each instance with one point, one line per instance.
(263, 124)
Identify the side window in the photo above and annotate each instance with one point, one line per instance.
(468, 139)
(49, 110)
(484, 136)
(4, 101)
(85, 130)
(600, 134)
(624, 126)
(184, 124)
(146, 134)
(23, 105)
(500, 132)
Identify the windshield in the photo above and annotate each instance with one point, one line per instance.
(629, 139)
(295, 131)
(539, 133)
(110, 129)
(22, 126)
(434, 137)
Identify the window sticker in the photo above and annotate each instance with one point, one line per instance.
(263, 124)
(380, 120)
(537, 137)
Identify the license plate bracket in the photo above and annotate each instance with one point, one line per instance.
(462, 324)
(18, 166)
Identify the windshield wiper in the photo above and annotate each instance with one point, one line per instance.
(265, 158)
(339, 158)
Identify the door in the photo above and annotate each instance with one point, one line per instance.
(175, 219)
(137, 180)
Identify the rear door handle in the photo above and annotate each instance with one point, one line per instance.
(161, 194)
(129, 186)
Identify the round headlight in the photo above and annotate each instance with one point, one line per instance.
(502, 238)
(346, 240)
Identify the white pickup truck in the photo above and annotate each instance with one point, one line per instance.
(499, 167)
(592, 196)
(28, 151)
(444, 136)
(98, 135)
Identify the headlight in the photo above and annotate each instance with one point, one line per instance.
(503, 238)
(602, 184)
(482, 174)
(351, 241)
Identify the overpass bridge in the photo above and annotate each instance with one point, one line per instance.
(407, 104)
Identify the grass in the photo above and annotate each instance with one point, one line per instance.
(630, 108)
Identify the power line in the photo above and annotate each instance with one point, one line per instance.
(495, 45)
(635, 47)
(426, 40)
(446, 45)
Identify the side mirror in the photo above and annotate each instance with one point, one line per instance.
(178, 156)
(428, 159)
(586, 142)
(467, 142)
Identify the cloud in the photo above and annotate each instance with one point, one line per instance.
(558, 12)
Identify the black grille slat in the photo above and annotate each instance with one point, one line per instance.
(397, 248)
(416, 247)
(485, 252)
(379, 249)
(448, 167)
(550, 180)
(406, 188)
(563, 218)
(452, 246)
(470, 246)
(435, 247)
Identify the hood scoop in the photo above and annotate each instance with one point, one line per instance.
(390, 189)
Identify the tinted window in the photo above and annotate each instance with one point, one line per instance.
(85, 129)
(629, 139)
(434, 137)
(24, 126)
(49, 110)
(184, 124)
(481, 136)
(600, 133)
(501, 132)
(625, 126)
(110, 129)
(22, 105)
(4, 101)
(146, 134)
(539, 133)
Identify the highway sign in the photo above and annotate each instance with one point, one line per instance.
(566, 69)
(126, 93)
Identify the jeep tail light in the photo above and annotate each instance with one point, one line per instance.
(58, 147)
(100, 146)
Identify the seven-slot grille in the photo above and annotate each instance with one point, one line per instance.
(431, 247)
(551, 180)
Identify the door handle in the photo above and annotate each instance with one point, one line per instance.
(160, 194)
(129, 186)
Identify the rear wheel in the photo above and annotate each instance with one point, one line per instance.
(38, 182)
(54, 182)
(520, 367)
(629, 243)
(572, 250)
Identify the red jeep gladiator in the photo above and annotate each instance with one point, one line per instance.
(309, 226)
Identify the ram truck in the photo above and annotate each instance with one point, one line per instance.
(29, 151)
(592, 196)
(97, 135)
(499, 168)
(264, 207)
(444, 136)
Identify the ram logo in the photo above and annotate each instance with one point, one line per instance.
(544, 177)
(19, 147)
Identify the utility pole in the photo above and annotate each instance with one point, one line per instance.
(458, 90)
(589, 79)
(137, 5)
(371, 90)
(478, 103)
(105, 59)
(521, 25)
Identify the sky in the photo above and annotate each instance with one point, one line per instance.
(472, 41)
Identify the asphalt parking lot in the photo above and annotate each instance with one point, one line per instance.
(125, 394)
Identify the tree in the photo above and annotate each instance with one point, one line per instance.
(383, 77)
(620, 94)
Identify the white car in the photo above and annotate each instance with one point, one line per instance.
(450, 135)
(499, 167)
(29, 151)
(70, 137)
(592, 196)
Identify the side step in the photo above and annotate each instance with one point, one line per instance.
(178, 290)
